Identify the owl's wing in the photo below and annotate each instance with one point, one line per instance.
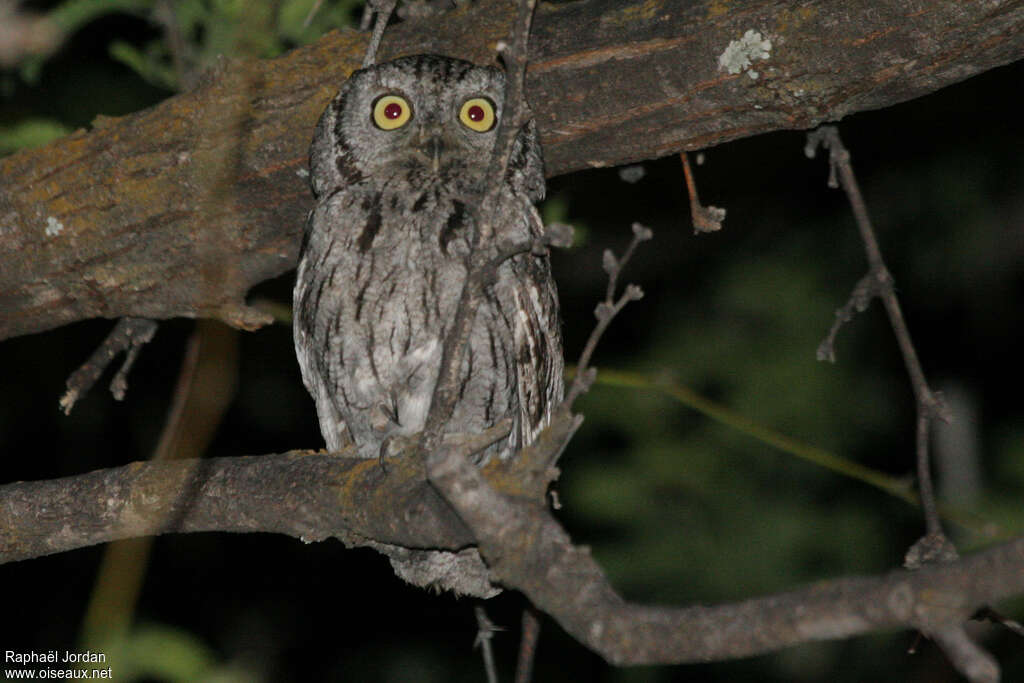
(538, 345)
(525, 173)
(311, 323)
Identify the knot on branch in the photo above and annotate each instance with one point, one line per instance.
(933, 548)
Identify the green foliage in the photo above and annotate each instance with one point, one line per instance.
(292, 18)
(157, 652)
(71, 16)
(30, 132)
(150, 62)
(191, 35)
(198, 31)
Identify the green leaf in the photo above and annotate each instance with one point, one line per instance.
(29, 133)
(148, 64)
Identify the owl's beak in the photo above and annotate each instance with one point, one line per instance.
(432, 146)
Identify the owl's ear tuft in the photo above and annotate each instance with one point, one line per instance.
(526, 164)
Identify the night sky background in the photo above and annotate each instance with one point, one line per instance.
(679, 508)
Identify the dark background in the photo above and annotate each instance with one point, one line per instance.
(678, 508)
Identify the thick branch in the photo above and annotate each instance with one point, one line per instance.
(527, 549)
(303, 494)
(306, 495)
(179, 209)
(315, 496)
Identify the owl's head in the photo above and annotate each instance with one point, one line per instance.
(424, 115)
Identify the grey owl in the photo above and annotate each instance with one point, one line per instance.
(396, 159)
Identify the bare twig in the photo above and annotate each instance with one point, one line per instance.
(485, 630)
(166, 16)
(989, 614)
(865, 290)
(878, 282)
(528, 645)
(898, 486)
(129, 334)
(705, 218)
(316, 8)
(607, 310)
(382, 9)
(479, 261)
(934, 547)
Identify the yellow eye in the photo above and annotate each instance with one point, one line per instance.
(391, 112)
(477, 114)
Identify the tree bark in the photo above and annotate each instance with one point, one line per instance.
(180, 209)
(317, 496)
(306, 495)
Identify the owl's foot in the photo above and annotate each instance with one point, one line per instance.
(471, 444)
(395, 445)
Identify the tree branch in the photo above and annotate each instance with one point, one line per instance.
(879, 283)
(300, 493)
(128, 336)
(179, 209)
(316, 496)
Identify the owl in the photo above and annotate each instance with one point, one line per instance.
(398, 163)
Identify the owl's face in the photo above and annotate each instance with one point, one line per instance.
(422, 116)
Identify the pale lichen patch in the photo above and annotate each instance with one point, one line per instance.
(740, 54)
(53, 227)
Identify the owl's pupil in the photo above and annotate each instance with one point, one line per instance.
(393, 110)
(475, 113)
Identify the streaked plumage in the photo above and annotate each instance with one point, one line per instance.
(383, 262)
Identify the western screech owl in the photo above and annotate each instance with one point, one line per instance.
(397, 158)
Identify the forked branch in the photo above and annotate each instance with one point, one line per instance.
(934, 547)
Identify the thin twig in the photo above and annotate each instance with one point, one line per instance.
(988, 614)
(528, 645)
(607, 310)
(898, 486)
(316, 8)
(479, 260)
(129, 334)
(878, 283)
(934, 547)
(382, 9)
(485, 630)
(705, 218)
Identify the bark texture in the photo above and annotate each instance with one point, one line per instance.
(316, 496)
(180, 209)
